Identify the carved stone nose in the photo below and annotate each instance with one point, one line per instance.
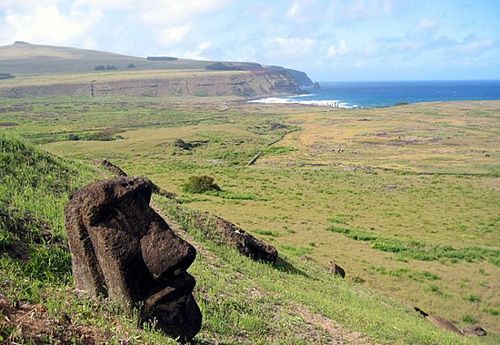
(163, 252)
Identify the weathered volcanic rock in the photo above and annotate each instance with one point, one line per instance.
(114, 169)
(438, 321)
(122, 249)
(475, 330)
(337, 270)
(244, 242)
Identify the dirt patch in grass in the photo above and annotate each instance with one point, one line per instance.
(338, 333)
(31, 323)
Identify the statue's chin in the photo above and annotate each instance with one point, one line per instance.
(180, 318)
(173, 309)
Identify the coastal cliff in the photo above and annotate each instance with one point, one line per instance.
(242, 84)
(41, 70)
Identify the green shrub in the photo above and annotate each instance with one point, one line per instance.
(200, 184)
(469, 319)
(473, 298)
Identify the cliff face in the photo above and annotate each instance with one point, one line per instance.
(248, 84)
(301, 77)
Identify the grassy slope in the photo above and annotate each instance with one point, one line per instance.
(394, 203)
(109, 77)
(242, 301)
(32, 59)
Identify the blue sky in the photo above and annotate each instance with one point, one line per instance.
(329, 39)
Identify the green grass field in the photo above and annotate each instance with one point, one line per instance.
(405, 198)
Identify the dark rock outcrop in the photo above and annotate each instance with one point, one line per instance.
(122, 249)
(337, 270)
(438, 321)
(114, 169)
(475, 330)
(244, 242)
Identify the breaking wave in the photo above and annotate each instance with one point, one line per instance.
(333, 103)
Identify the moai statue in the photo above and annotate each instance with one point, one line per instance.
(123, 250)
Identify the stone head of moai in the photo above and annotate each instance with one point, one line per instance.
(123, 250)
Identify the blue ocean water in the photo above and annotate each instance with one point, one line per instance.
(387, 93)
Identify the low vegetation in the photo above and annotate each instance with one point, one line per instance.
(161, 58)
(369, 182)
(105, 67)
(417, 250)
(200, 184)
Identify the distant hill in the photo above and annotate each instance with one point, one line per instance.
(41, 70)
(22, 58)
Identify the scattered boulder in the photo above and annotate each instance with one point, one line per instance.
(475, 330)
(440, 322)
(188, 146)
(122, 249)
(114, 169)
(337, 270)
(244, 242)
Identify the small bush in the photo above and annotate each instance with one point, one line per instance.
(492, 311)
(219, 66)
(161, 58)
(473, 298)
(469, 319)
(73, 136)
(200, 184)
(104, 68)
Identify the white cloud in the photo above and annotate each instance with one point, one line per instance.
(474, 46)
(107, 4)
(290, 48)
(10, 4)
(341, 49)
(426, 24)
(46, 25)
(198, 53)
(170, 12)
(173, 35)
(295, 10)
(358, 9)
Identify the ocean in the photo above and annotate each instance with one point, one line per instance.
(386, 93)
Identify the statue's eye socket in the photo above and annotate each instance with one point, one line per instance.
(105, 214)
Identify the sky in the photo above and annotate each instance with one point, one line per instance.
(329, 39)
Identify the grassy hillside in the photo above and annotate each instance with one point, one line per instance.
(23, 58)
(38, 71)
(32, 59)
(404, 198)
(242, 301)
